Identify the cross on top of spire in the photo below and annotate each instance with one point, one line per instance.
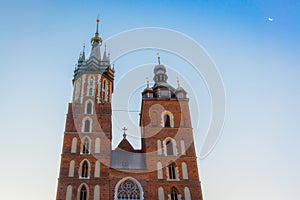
(124, 131)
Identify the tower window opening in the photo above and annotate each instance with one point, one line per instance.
(91, 92)
(87, 126)
(83, 193)
(89, 108)
(167, 120)
(174, 194)
(84, 170)
(172, 173)
(86, 146)
(170, 151)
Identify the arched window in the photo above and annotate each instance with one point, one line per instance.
(71, 168)
(159, 152)
(87, 125)
(74, 145)
(182, 144)
(97, 169)
(104, 90)
(167, 120)
(97, 192)
(89, 108)
(128, 188)
(97, 145)
(161, 195)
(184, 169)
(83, 193)
(91, 92)
(69, 193)
(86, 146)
(187, 194)
(159, 170)
(174, 194)
(169, 148)
(84, 173)
(172, 172)
(91, 82)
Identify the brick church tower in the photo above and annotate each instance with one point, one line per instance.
(165, 168)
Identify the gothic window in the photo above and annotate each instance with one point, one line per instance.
(159, 152)
(91, 82)
(182, 144)
(74, 145)
(97, 192)
(97, 169)
(71, 168)
(69, 193)
(128, 190)
(172, 172)
(83, 193)
(85, 169)
(89, 108)
(185, 174)
(174, 194)
(91, 92)
(167, 120)
(159, 171)
(104, 90)
(161, 195)
(169, 148)
(97, 145)
(187, 193)
(87, 125)
(86, 146)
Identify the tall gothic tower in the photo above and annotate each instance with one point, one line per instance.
(165, 168)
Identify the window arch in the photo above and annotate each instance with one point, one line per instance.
(174, 194)
(97, 145)
(159, 152)
(161, 193)
(128, 188)
(89, 107)
(97, 192)
(97, 169)
(87, 125)
(85, 145)
(182, 144)
(170, 147)
(172, 171)
(159, 170)
(187, 194)
(69, 193)
(83, 192)
(104, 90)
(167, 119)
(74, 145)
(84, 169)
(185, 174)
(71, 168)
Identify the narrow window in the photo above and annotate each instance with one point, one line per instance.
(97, 145)
(83, 193)
(97, 192)
(167, 120)
(91, 92)
(187, 194)
(182, 143)
(97, 169)
(69, 193)
(74, 145)
(159, 171)
(161, 195)
(84, 169)
(71, 168)
(185, 174)
(87, 125)
(169, 148)
(174, 194)
(172, 173)
(159, 147)
(86, 146)
(89, 108)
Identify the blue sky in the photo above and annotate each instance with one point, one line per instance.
(257, 156)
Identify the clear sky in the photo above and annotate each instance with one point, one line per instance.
(258, 154)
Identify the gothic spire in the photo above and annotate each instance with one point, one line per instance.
(96, 42)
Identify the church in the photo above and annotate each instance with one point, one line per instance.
(164, 168)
